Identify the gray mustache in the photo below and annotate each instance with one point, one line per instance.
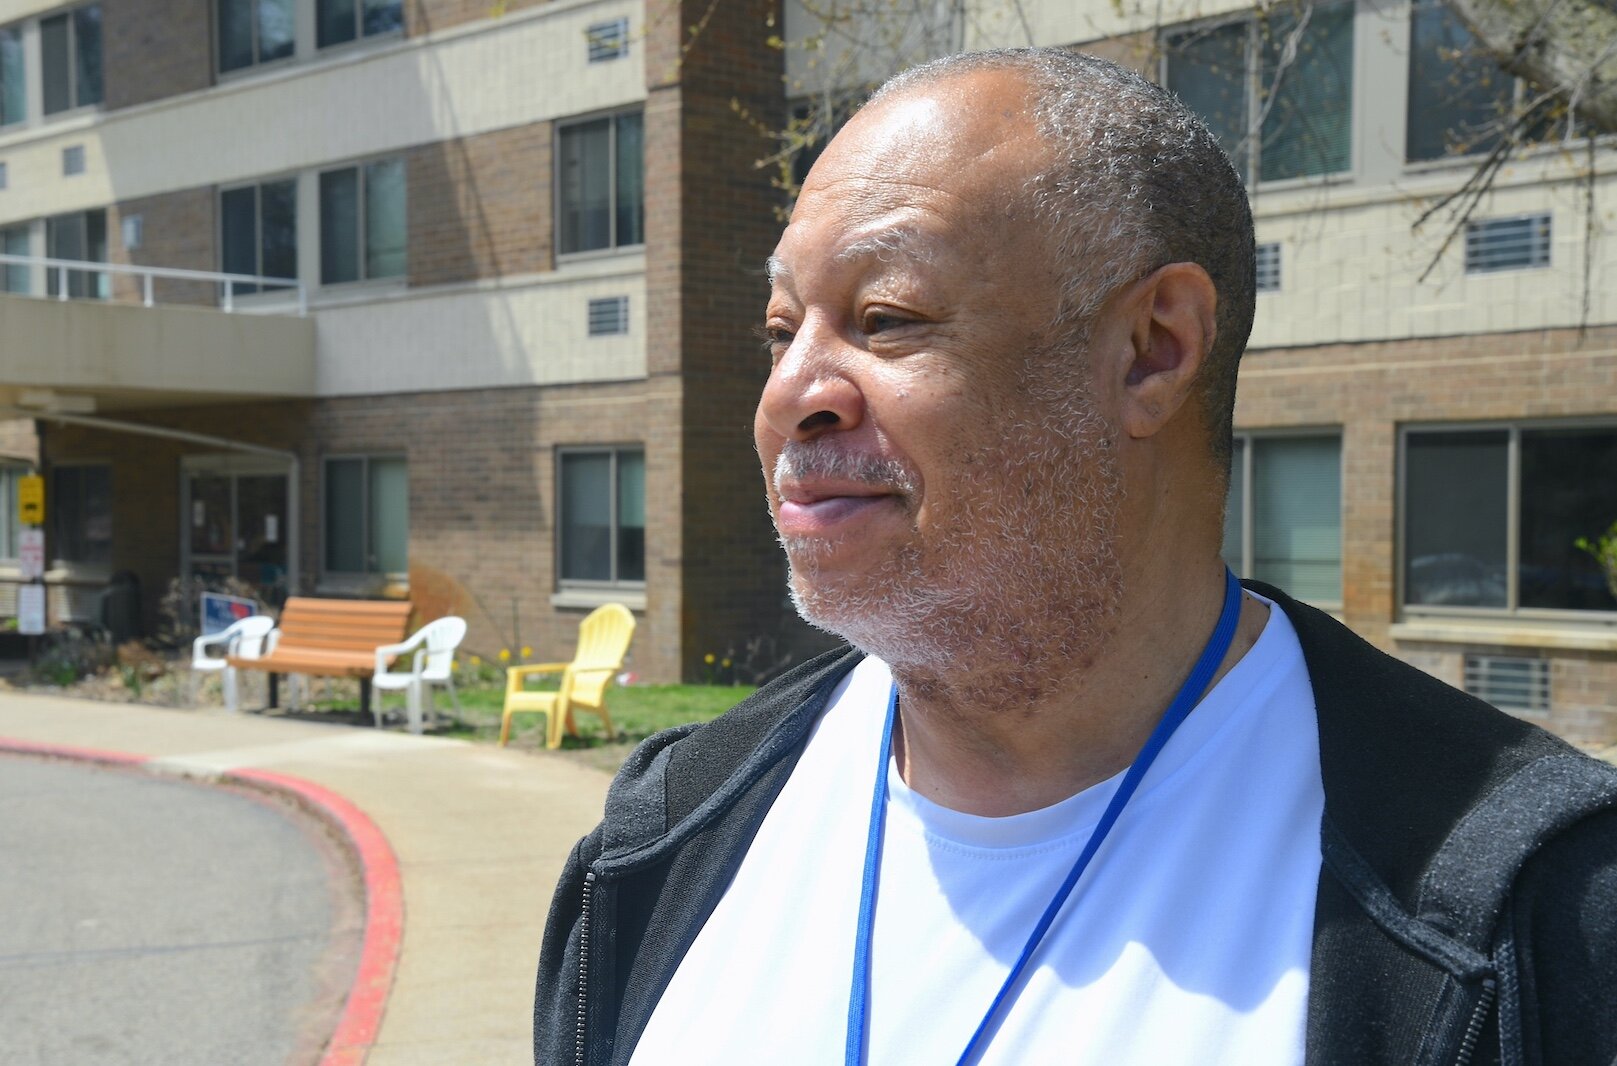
(802, 460)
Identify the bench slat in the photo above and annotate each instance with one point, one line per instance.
(332, 638)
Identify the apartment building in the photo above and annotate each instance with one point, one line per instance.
(527, 237)
(511, 370)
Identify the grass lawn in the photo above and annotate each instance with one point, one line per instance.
(637, 712)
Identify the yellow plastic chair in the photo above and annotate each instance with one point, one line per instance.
(603, 640)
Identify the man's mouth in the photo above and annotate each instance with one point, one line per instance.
(821, 511)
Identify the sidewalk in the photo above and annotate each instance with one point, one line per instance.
(480, 835)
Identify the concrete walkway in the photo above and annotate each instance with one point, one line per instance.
(480, 835)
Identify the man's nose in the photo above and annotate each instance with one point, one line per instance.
(809, 391)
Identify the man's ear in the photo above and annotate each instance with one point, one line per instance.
(1172, 327)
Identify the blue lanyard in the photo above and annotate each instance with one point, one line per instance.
(859, 994)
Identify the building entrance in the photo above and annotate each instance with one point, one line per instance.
(235, 523)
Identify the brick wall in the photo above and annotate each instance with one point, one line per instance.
(18, 440)
(710, 224)
(1370, 390)
(179, 230)
(427, 16)
(480, 206)
(155, 49)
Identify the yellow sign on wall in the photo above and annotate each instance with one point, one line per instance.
(31, 500)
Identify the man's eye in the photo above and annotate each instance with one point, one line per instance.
(880, 322)
(777, 339)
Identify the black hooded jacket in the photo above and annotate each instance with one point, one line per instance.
(1467, 903)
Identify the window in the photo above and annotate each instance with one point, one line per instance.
(1507, 244)
(602, 515)
(600, 192)
(258, 231)
(341, 21)
(10, 524)
(70, 59)
(80, 235)
(253, 32)
(13, 77)
(1283, 517)
(1268, 267)
(81, 506)
(362, 222)
(608, 316)
(607, 40)
(1491, 516)
(15, 277)
(367, 511)
(1276, 117)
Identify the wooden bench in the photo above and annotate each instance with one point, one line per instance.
(331, 638)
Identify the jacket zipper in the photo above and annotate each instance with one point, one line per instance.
(1479, 1016)
(582, 1021)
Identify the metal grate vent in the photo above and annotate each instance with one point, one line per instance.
(4, 177)
(608, 40)
(1507, 244)
(1510, 683)
(1269, 267)
(73, 160)
(609, 315)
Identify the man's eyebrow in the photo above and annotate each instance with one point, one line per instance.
(908, 242)
(775, 268)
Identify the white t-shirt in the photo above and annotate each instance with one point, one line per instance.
(1186, 941)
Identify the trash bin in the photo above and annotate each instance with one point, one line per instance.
(120, 607)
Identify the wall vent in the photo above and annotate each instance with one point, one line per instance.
(1507, 244)
(73, 160)
(609, 315)
(1510, 683)
(5, 179)
(1269, 267)
(608, 40)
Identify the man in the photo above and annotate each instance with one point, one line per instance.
(1005, 321)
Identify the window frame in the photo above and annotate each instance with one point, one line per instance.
(350, 577)
(73, 107)
(257, 64)
(360, 37)
(11, 470)
(1243, 470)
(361, 223)
(1512, 608)
(612, 246)
(54, 558)
(257, 185)
(19, 32)
(1252, 83)
(97, 284)
(572, 584)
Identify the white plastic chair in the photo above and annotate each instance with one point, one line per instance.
(250, 638)
(434, 647)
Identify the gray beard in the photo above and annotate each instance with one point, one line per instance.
(1022, 581)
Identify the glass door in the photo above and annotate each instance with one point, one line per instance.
(236, 524)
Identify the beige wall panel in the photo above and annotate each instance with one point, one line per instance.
(1352, 272)
(533, 334)
(11, 10)
(525, 68)
(126, 349)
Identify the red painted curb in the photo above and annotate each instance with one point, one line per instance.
(384, 915)
(384, 896)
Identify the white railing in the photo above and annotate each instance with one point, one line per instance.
(147, 274)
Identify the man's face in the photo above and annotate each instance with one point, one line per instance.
(939, 475)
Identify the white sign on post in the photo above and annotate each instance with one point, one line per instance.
(31, 610)
(31, 553)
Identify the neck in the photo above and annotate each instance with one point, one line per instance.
(986, 741)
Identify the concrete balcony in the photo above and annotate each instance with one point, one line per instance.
(87, 355)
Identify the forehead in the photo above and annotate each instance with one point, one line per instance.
(921, 178)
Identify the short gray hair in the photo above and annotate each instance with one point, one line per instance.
(1136, 182)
